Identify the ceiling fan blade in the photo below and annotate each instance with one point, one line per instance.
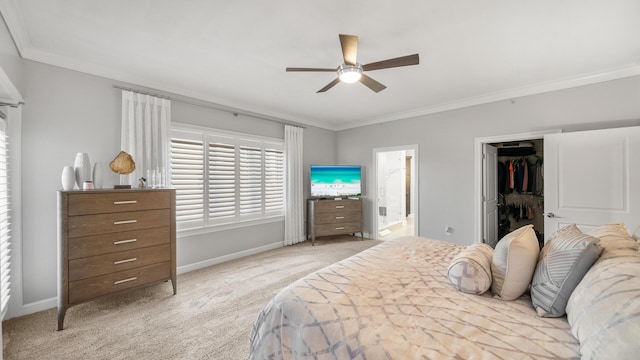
(329, 85)
(349, 45)
(310, 69)
(391, 63)
(372, 84)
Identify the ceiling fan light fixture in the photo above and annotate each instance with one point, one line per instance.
(350, 73)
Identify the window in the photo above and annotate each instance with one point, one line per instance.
(5, 238)
(223, 178)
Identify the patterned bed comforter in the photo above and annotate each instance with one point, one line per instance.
(394, 301)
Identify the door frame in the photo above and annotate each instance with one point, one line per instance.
(478, 175)
(414, 191)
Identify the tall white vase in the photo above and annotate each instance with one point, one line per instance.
(97, 175)
(82, 166)
(68, 178)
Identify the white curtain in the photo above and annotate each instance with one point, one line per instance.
(294, 197)
(145, 136)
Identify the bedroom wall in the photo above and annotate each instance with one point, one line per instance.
(68, 112)
(446, 140)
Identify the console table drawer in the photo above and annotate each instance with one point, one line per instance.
(80, 247)
(101, 285)
(337, 205)
(109, 223)
(99, 203)
(104, 264)
(338, 217)
(337, 229)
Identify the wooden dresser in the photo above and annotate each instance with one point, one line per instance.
(334, 217)
(113, 240)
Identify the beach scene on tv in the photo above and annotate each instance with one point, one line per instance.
(335, 181)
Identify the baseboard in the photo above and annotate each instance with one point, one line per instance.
(34, 307)
(209, 262)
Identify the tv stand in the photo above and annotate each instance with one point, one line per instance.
(334, 217)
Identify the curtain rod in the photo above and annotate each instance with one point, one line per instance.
(206, 105)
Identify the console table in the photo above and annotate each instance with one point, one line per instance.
(334, 217)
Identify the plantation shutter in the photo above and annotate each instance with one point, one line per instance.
(187, 177)
(222, 183)
(274, 181)
(250, 168)
(5, 238)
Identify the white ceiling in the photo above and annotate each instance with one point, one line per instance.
(234, 52)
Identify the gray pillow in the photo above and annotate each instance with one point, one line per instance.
(563, 262)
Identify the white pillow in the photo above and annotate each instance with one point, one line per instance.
(603, 309)
(514, 261)
(470, 270)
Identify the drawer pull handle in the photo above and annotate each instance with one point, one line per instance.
(124, 241)
(339, 206)
(125, 202)
(124, 261)
(340, 228)
(339, 217)
(125, 280)
(125, 222)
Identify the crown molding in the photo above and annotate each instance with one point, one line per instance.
(540, 88)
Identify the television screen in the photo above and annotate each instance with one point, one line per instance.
(335, 181)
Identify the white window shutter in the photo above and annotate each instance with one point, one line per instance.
(187, 177)
(274, 181)
(5, 225)
(250, 169)
(222, 183)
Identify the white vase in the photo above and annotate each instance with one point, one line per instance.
(68, 178)
(82, 166)
(97, 175)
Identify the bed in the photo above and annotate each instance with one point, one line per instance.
(395, 301)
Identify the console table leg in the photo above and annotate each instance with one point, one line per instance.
(61, 314)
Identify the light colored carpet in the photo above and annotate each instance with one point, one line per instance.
(209, 318)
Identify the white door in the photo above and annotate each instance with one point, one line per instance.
(490, 194)
(592, 178)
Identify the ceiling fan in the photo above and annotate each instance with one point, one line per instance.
(351, 71)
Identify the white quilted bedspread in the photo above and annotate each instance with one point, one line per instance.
(394, 301)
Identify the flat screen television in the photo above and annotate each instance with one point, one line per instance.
(331, 181)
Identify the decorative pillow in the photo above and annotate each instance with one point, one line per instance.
(614, 236)
(565, 258)
(603, 309)
(513, 263)
(470, 270)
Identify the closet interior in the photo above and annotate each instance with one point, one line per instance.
(520, 186)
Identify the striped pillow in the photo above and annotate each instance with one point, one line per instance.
(470, 270)
(565, 258)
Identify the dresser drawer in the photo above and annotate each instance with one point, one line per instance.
(108, 263)
(109, 223)
(122, 280)
(337, 205)
(84, 246)
(99, 203)
(336, 229)
(337, 217)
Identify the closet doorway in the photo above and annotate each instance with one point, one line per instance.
(509, 185)
(395, 192)
(518, 178)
